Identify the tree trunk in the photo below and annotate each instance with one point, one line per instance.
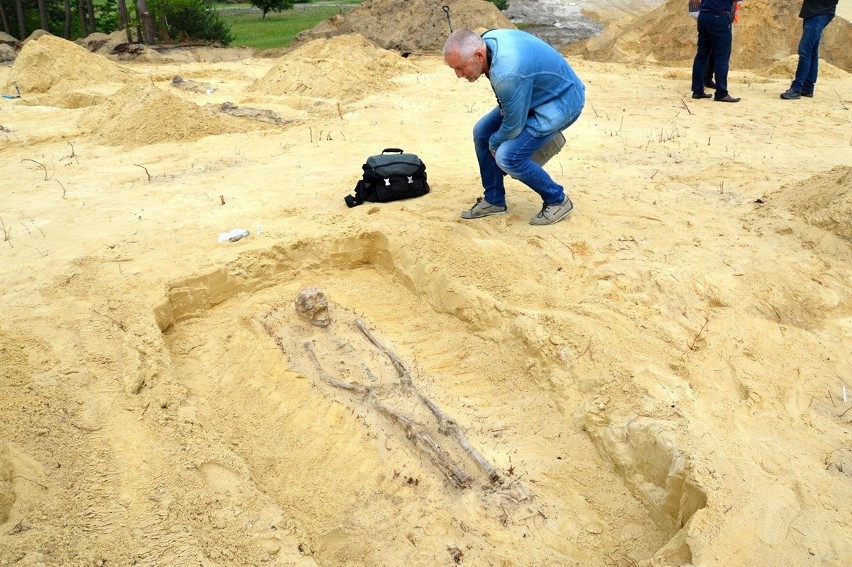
(67, 34)
(81, 11)
(42, 14)
(21, 26)
(124, 19)
(147, 21)
(3, 17)
(164, 30)
(93, 24)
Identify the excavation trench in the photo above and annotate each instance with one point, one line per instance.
(395, 391)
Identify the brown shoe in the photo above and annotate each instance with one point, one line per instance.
(699, 94)
(727, 98)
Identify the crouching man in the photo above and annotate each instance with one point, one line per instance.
(538, 96)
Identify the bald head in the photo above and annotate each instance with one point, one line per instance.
(466, 53)
(464, 43)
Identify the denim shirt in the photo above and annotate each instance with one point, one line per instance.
(534, 85)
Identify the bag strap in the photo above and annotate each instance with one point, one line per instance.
(393, 150)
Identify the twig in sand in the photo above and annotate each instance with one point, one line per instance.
(146, 170)
(29, 479)
(7, 232)
(701, 330)
(841, 100)
(41, 164)
(587, 350)
(684, 105)
(63, 187)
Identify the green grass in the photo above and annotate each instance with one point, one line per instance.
(278, 28)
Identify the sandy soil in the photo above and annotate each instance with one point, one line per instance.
(658, 380)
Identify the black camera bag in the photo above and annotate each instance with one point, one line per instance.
(390, 176)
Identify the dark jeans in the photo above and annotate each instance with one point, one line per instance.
(806, 70)
(714, 35)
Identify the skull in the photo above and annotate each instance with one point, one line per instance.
(312, 304)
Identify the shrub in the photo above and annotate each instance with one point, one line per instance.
(191, 20)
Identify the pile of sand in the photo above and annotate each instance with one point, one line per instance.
(768, 30)
(825, 201)
(8, 47)
(344, 68)
(421, 26)
(52, 63)
(786, 68)
(144, 114)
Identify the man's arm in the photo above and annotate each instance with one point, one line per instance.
(514, 95)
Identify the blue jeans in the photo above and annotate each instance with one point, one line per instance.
(714, 36)
(806, 70)
(512, 158)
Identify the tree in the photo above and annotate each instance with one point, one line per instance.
(124, 19)
(42, 15)
(81, 11)
(67, 28)
(3, 17)
(19, 7)
(272, 5)
(90, 10)
(147, 21)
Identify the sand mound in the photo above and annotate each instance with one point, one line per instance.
(95, 41)
(8, 39)
(768, 30)
(53, 63)
(824, 200)
(420, 27)
(786, 68)
(345, 68)
(7, 52)
(144, 114)
(63, 100)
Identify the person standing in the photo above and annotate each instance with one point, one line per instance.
(708, 65)
(538, 96)
(714, 35)
(815, 14)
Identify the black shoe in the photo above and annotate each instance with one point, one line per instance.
(790, 94)
(710, 85)
(701, 95)
(728, 98)
(809, 95)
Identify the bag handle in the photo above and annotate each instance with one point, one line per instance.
(394, 150)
